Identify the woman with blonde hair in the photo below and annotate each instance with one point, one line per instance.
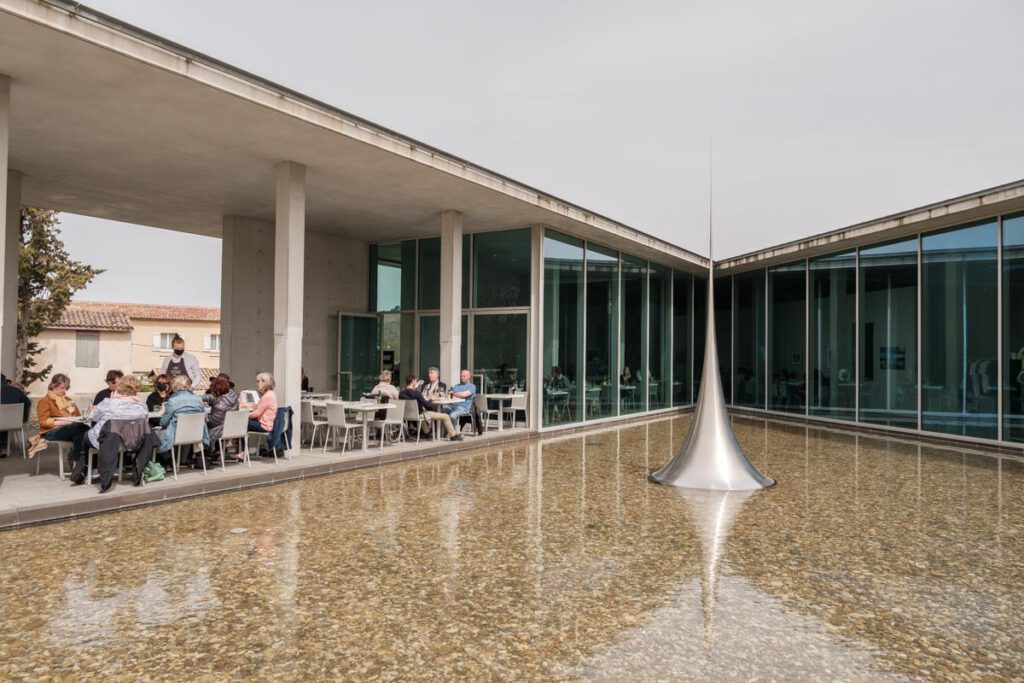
(124, 404)
(59, 419)
(264, 412)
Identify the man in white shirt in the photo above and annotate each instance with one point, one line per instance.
(181, 363)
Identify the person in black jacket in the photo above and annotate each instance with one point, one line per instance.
(103, 394)
(10, 395)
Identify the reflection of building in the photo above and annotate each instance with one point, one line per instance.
(343, 241)
(93, 337)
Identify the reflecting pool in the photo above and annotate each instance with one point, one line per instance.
(551, 559)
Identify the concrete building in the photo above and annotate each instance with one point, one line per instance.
(347, 246)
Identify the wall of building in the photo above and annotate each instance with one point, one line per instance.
(59, 349)
(336, 280)
(145, 357)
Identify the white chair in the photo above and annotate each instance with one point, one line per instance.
(308, 418)
(394, 417)
(282, 410)
(413, 415)
(10, 422)
(236, 428)
(337, 419)
(62, 448)
(486, 413)
(188, 432)
(517, 404)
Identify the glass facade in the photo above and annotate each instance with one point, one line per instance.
(959, 333)
(682, 330)
(787, 367)
(660, 331)
(602, 333)
(723, 332)
(700, 307)
(501, 269)
(749, 346)
(832, 336)
(888, 334)
(563, 329)
(632, 380)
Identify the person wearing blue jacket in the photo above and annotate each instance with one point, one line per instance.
(181, 402)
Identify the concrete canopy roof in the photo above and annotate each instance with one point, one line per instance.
(110, 121)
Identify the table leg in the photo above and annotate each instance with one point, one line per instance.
(501, 416)
(366, 424)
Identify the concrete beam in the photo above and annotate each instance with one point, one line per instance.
(451, 295)
(289, 285)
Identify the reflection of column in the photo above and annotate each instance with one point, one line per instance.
(289, 280)
(451, 295)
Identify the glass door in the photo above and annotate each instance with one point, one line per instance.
(359, 354)
(499, 351)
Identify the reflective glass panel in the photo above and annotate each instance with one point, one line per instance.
(833, 336)
(682, 316)
(748, 379)
(959, 328)
(723, 332)
(786, 335)
(563, 329)
(601, 393)
(393, 276)
(499, 352)
(659, 357)
(632, 387)
(1013, 328)
(430, 344)
(429, 273)
(700, 316)
(888, 334)
(501, 268)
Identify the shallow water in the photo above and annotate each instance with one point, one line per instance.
(546, 559)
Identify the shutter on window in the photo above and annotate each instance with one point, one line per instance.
(156, 340)
(207, 343)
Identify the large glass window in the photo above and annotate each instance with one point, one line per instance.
(700, 317)
(1013, 328)
(563, 328)
(749, 344)
(499, 352)
(602, 323)
(833, 336)
(393, 276)
(786, 334)
(430, 344)
(634, 334)
(959, 328)
(682, 317)
(659, 358)
(430, 274)
(723, 332)
(501, 268)
(888, 334)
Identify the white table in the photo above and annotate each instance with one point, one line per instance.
(365, 409)
(500, 398)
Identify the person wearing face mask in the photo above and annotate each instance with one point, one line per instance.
(161, 390)
(181, 363)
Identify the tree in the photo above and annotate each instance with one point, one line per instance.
(47, 279)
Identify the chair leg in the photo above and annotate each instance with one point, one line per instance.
(245, 445)
(175, 455)
(24, 453)
(223, 466)
(202, 457)
(120, 463)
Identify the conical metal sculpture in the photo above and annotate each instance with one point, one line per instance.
(711, 457)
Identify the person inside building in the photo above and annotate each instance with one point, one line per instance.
(181, 363)
(59, 419)
(466, 391)
(411, 393)
(12, 395)
(433, 387)
(103, 394)
(305, 381)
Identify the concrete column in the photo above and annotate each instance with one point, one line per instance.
(289, 266)
(535, 343)
(451, 296)
(246, 299)
(10, 228)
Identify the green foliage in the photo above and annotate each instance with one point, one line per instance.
(47, 279)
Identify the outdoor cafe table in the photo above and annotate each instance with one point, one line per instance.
(365, 409)
(500, 398)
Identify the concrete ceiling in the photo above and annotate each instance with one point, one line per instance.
(109, 122)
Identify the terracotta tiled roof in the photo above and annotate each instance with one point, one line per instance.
(155, 311)
(76, 318)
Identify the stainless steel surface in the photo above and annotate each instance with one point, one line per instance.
(710, 457)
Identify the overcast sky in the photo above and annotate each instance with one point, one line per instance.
(822, 113)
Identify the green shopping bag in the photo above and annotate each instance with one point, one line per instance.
(154, 472)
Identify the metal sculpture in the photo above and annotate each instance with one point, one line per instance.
(711, 457)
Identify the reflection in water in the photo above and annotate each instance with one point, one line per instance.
(545, 559)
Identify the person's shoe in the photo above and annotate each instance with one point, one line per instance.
(108, 487)
(36, 444)
(457, 437)
(266, 453)
(77, 479)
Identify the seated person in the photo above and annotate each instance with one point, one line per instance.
(123, 404)
(55, 412)
(224, 401)
(12, 395)
(263, 413)
(385, 387)
(411, 393)
(465, 390)
(161, 392)
(627, 378)
(433, 386)
(103, 394)
(181, 402)
(558, 381)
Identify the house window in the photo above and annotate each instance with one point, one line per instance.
(211, 343)
(162, 340)
(87, 349)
